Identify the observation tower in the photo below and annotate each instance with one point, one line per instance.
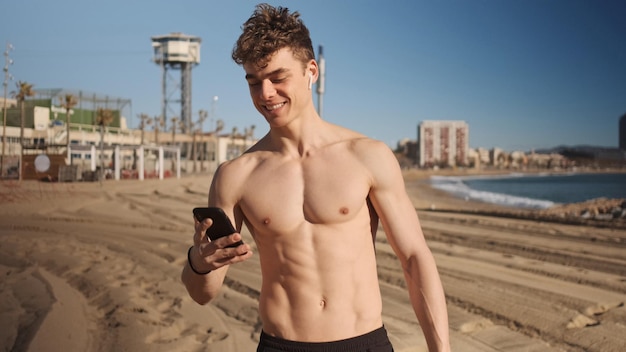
(176, 51)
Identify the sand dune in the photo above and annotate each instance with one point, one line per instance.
(97, 268)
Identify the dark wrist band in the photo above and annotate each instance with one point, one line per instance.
(191, 265)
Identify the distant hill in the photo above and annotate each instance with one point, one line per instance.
(587, 153)
(587, 149)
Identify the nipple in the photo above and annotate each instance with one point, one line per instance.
(267, 221)
(344, 210)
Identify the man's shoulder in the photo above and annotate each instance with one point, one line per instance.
(245, 163)
(373, 153)
(249, 159)
(363, 144)
(357, 140)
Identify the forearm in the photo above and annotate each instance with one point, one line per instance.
(202, 288)
(428, 300)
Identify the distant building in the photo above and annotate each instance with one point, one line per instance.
(497, 157)
(622, 132)
(443, 143)
(9, 103)
(483, 156)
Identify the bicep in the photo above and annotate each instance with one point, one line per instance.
(223, 193)
(394, 207)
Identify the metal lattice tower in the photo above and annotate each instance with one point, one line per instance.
(177, 51)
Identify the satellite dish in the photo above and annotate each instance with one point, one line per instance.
(42, 163)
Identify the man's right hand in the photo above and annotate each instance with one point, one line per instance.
(210, 255)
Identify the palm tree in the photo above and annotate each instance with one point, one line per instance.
(68, 102)
(202, 116)
(158, 122)
(104, 117)
(249, 133)
(233, 150)
(144, 121)
(24, 90)
(219, 126)
(174, 127)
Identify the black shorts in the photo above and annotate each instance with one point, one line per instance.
(375, 341)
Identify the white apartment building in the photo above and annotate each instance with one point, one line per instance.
(443, 143)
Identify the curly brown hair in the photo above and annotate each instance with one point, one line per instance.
(268, 30)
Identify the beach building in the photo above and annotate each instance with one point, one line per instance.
(443, 143)
(149, 151)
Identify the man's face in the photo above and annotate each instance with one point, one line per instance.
(279, 90)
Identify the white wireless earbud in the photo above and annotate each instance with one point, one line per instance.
(310, 80)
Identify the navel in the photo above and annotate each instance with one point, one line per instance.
(323, 303)
(344, 210)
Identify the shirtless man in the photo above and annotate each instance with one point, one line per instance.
(311, 192)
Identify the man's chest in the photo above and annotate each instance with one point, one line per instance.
(318, 191)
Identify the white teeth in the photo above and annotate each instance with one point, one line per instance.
(273, 107)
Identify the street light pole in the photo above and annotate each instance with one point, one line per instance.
(7, 78)
(321, 82)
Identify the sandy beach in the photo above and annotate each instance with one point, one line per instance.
(90, 267)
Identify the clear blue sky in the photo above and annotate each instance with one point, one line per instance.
(523, 74)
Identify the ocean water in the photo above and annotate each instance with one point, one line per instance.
(534, 191)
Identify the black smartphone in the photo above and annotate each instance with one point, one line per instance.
(221, 223)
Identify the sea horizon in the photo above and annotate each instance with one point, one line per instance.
(534, 191)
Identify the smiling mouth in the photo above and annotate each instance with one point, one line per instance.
(275, 106)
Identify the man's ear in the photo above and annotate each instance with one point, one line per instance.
(313, 72)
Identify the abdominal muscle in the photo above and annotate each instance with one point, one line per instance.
(319, 283)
